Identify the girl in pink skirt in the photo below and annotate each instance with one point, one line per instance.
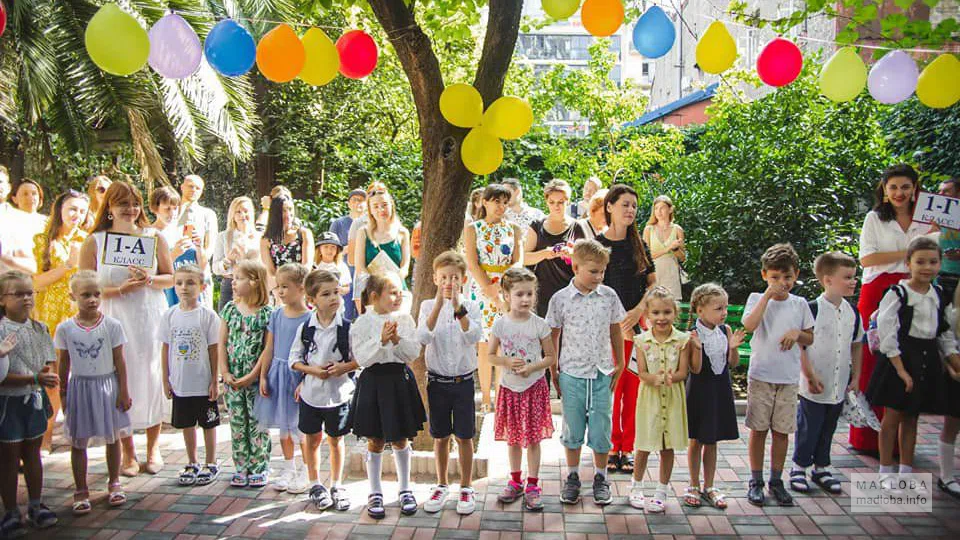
(523, 403)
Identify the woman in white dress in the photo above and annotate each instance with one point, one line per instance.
(240, 241)
(665, 239)
(134, 296)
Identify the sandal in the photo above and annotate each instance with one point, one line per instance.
(239, 480)
(81, 503)
(655, 506)
(188, 476)
(258, 480)
(950, 487)
(691, 497)
(117, 497)
(209, 473)
(613, 462)
(826, 481)
(626, 463)
(798, 481)
(715, 498)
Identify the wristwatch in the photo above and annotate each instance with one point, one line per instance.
(460, 313)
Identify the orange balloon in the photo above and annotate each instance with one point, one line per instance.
(602, 18)
(280, 54)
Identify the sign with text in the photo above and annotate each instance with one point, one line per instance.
(939, 209)
(129, 250)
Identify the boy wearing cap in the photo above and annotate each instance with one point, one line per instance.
(329, 257)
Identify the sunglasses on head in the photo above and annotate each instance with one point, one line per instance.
(101, 189)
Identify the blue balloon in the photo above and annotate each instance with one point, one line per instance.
(654, 33)
(230, 49)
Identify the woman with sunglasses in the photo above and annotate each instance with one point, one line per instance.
(57, 254)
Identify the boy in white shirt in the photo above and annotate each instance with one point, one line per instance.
(321, 351)
(449, 328)
(780, 322)
(831, 367)
(190, 332)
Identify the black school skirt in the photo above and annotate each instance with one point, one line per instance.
(921, 359)
(387, 404)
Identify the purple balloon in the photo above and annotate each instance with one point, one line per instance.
(175, 49)
(893, 78)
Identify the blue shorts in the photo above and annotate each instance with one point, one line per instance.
(21, 419)
(452, 410)
(586, 408)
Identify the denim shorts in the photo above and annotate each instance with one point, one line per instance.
(21, 419)
(586, 408)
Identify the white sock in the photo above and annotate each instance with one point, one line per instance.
(798, 467)
(571, 470)
(402, 459)
(289, 464)
(946, 461)
(634, 483)
(374, 470)
(661, 492)
(338, 484)
(905, 469)
(602, 471)
(817, 468)
(887, 469)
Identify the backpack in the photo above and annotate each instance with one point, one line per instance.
(342, 343)
(856, 315)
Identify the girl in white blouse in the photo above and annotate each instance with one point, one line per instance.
(386, 406)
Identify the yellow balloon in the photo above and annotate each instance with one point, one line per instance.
(322, 61)
(461, 105)
(116, 42)
(939, 84)
(560, 9)
(716, 50)
(481, 152)
(508, 118)
(843, 76)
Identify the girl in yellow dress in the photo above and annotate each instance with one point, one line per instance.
(57, 253)
(663, 358)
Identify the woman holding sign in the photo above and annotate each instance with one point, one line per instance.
(382, 245)
(134, 265)
(887, 230)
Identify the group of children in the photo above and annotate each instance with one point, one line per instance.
(294, 369)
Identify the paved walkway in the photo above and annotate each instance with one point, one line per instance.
(158, 508)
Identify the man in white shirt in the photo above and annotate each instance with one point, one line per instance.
(450, 329)
(203, 220)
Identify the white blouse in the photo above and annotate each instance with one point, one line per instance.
(226, 240)
(884, 237)
(714, 346)
(923, 325)
(365, 339)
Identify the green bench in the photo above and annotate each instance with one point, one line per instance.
(734, 316)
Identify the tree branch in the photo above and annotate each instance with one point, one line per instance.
(498, 44)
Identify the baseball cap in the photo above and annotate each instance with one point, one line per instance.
(357, 193)
(328, 238)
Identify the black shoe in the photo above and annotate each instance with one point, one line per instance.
(780, 493)
(755, 493)
(570, 494)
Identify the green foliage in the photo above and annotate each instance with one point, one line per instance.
(924, 136)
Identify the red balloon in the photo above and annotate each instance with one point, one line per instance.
(3, 18)
(779, 62)
(358, 54)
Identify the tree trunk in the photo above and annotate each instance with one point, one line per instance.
(446, 182)
(264, 158)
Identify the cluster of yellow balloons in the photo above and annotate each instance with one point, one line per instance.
(844, 76)
(506, 118)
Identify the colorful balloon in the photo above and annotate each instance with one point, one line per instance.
(175, 49)
(481, 152)
(716, 50)
(116, 42)
(780, 62)
(280, 54)
(461, 105)
(939, 84)
(322, 61)
(508, 118)
(893, 78)
(602, 17)
(560, 9)
(358, 54)
(230, 49)
(843, 76)
(654, 33)
(3, 18)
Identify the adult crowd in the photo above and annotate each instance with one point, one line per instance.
(500, 231)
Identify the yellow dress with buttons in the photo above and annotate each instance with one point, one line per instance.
(661, 410)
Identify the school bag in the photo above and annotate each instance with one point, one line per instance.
(342, 343)
(905, 314)
(856, 315)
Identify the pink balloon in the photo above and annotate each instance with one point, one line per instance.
(175, 49)
(893, 78)
(780, 62)
(358, 54)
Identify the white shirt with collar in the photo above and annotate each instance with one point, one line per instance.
(884, 237)
(450, 350)
(585, 321)
(830, 356)
(715, 346)
(365, 342)
(316, 392)
(923, 325)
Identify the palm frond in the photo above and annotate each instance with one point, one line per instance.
(145, 149)
(184, 119)
(39, 76)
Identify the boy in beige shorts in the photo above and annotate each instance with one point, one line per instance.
(781, 323)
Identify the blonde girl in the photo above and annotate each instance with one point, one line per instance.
(663, 359)
(523, 417)
(240, 241)
(242, 339)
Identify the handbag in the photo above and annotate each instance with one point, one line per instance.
(684, 277)
(857, 412)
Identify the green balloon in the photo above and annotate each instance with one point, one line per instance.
(116, 42)
(843, 76)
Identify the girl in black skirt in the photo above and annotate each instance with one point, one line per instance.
(915, 340)
(386, 405)
(711, 416)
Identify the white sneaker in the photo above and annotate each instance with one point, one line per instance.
(281, 482)
(298, 483)
(438, 496)
(467, 502)
(890, 484)
(637, 500)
